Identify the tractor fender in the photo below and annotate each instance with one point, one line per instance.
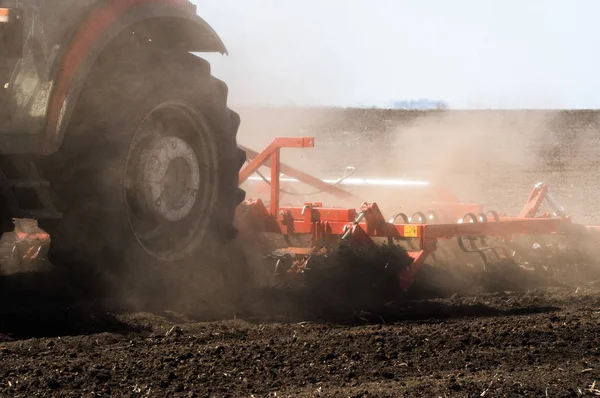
(174, 23)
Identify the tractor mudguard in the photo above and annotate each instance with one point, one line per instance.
(62, 42)
(174, 25)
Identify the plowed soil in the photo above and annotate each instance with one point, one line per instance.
(536, 339)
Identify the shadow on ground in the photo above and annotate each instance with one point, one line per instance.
(61, 303)
(50, 304)
(283, 307)
(62, 322)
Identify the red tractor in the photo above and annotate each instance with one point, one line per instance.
(114, 136)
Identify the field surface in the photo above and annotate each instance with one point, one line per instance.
(514, 341)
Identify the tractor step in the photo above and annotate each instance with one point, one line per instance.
(34, 182)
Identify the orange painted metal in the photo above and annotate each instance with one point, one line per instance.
(275, 173)
(260, 159)
(360, 227)
(407, 276)
(536, 197)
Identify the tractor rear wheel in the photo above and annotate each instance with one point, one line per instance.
(147, 178)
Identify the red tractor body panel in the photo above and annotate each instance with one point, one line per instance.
(55, 44)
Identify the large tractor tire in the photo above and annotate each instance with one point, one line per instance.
(147, 180)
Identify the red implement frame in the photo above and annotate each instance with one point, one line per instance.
(326, 224)
(273, 153)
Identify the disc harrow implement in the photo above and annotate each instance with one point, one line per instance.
(446, 233)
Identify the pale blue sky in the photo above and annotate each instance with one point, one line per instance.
(469, 53)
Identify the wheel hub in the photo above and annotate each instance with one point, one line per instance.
(166, 178)
(170, 181)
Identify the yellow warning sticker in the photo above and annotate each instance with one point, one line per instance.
(410, 231)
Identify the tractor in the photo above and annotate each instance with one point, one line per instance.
(114, 135)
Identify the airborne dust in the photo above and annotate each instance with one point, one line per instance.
(543, 341)
(489, 157)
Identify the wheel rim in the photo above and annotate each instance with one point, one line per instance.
(171, 181)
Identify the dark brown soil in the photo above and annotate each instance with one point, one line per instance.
(504, 344)
(539, 337)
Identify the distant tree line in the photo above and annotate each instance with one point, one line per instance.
(419, 104)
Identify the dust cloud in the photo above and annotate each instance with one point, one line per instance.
(493, 158)
(488, 157)
(470, 152)
(466, 151)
